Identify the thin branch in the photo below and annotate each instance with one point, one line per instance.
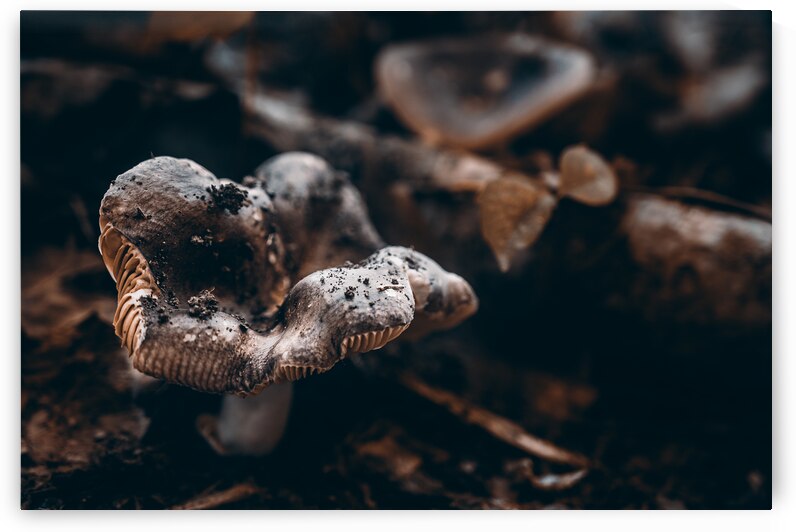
(705, 196)
(80, 212)
(498, 426)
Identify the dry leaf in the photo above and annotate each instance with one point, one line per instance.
(60, 290)
(523, 470)
(586, 177)
(513, 212)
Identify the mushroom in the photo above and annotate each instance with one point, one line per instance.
(477, 92)
(212, 291)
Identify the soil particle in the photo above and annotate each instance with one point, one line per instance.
(228, 196)
(203, 306)
(205, 240)
(149, 303)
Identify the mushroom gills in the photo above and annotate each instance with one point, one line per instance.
(357, 343)
(290, 373)
(370, 341)
(134, 280)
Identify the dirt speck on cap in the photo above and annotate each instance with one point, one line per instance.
(228, 196)
(203, 305)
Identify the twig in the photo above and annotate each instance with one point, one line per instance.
(80, 212)
(214, 500)
(705, 196)
(498, 426)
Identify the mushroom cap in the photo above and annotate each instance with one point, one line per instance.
(348, 309)
(326, 316)
(198, 233)
(322, 216)
(477, 92)
(442, 299)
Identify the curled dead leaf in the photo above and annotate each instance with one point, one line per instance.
(586, 177)
(513, 211)
(482, 90)
(523, 470)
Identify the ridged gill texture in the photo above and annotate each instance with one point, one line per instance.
(130, 270)
(362, 343)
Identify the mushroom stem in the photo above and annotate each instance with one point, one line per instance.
(255, 425)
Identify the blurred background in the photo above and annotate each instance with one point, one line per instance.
(602, 179)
